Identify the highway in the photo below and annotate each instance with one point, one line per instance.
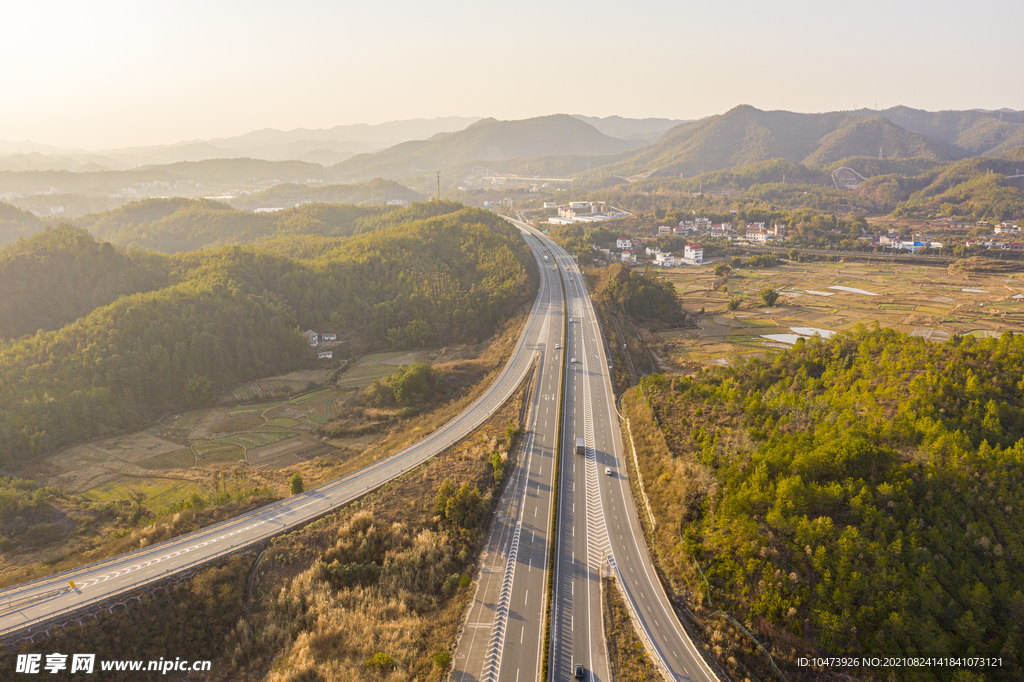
(582, 542)
(504, 629)
(25, 607)
(598, 527)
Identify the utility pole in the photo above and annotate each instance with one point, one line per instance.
(439, 185)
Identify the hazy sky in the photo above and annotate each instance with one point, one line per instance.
(117, 73)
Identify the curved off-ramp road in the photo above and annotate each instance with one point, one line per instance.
(28, 607)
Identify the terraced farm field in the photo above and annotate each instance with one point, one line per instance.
(376, 366)
(834, 297)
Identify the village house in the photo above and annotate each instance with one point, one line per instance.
(693, 254)
(623, 243)
(664, 259)
(756, 233)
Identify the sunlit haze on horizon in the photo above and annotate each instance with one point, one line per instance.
(114, 74)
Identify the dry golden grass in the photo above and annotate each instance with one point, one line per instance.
(628, 659)
(308, 626)
(304, 624)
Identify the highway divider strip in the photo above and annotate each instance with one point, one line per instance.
(549, 591)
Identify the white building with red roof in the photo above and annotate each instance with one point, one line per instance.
(693, 254)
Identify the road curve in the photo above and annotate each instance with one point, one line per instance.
(28, 606)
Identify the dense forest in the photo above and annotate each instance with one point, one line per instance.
(177, 225)
(641, 296)
(978, 188)
(234, 314)
(377, 191)
(61, 274)
(15, 223)
(860, 496)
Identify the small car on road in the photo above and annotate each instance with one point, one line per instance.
(607, 471)
(579, 671)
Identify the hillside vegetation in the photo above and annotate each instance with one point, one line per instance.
(15, 223)
(374, 591)
(176, 225)
(861, 496)
(377, 191)
(970, 190)
(745, 135)
(991, 133)
(61, 274)
(234, 315)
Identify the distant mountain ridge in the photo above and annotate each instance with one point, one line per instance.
(323, 145)
(488, 140)
(648, 129)
(746, 135)
(595, 152)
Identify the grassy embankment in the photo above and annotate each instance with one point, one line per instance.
(374, 591)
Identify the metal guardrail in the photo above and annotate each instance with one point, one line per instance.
(638, 624)
(81, 606)
(209, 558)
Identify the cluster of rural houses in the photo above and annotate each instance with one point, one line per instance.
(755, 233)
(317, 339)
(893, 240)
(693, 254)
(997, 240)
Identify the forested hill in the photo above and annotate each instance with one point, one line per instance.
(860, 496)
(15, 223)
(61, 274)
(176, 225)
(234, 314)
(377, 191)
(745, 135)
